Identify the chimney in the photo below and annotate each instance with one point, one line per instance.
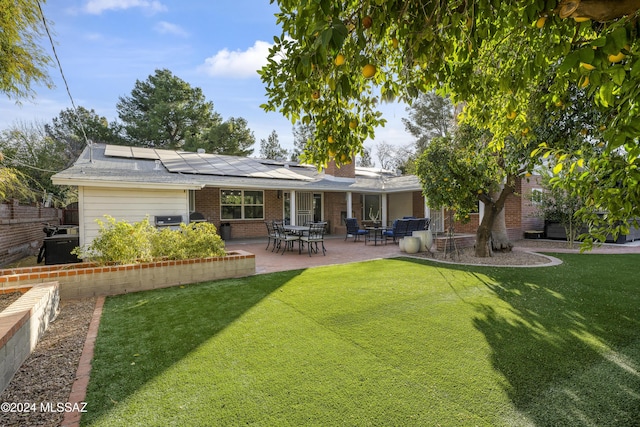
(344, 171)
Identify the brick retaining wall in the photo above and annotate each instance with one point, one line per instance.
(86, 280)
(22, 324)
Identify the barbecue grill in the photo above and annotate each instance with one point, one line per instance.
(171, 221)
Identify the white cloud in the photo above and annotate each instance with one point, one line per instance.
(164, 27)
(96, 7)
(238, 64)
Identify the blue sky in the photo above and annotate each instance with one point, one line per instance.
(104, 46)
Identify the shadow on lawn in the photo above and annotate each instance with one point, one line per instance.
(143, 334)
(567, 340)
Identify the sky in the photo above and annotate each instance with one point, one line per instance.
(104, 46)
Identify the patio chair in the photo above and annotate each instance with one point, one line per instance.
(353, 229)
(399, 230)
(314, 236)
(271, 234)
(286, 238)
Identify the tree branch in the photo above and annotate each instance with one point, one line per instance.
(597, 10)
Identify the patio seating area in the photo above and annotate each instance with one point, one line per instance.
(284, 237)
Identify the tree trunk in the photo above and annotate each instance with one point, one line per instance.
(494, 220)
(499, 236)
(483, 234)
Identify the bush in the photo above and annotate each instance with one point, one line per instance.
(124, 243)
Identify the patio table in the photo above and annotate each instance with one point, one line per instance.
(376, 234)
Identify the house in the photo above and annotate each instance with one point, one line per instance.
(130, 183)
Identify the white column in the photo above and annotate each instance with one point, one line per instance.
(349, 204)
(427, 210)
(294, 214)
(480, 211)
(384, 209)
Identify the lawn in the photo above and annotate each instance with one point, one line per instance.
(380, 343)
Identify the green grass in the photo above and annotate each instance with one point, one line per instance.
(380, 343)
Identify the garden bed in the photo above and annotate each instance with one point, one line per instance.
(84, 280)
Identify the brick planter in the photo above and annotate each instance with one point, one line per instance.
(87, 280)
(22, 324)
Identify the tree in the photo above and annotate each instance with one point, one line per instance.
(430, 116)
(74, 129)
(34, 157)
(270, 148)
(23, 63)
(232, 138)
(302, 135)
(457, 172)
(365, 160)
(490, 56)
(165, 112)
(386, 155)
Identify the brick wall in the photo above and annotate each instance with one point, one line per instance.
(21, 229)
(208, 204)
(84, 280)
(531, 219)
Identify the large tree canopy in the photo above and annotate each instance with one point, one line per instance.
(23, 63)
(336, 61)
(164, 111)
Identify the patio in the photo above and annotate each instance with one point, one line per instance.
(339, 251)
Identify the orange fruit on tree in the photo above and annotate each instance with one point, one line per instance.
(512, 115)
(330, 139)
(616, 58)
(315, 94)
(367, 21)
(353, 124)
(587, 66)
(369, 71)
(339, 59)
(394, 43)
(540, 22)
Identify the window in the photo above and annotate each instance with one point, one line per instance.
(371, 208)
(241, 204)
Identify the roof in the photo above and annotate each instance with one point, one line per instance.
(135, 167)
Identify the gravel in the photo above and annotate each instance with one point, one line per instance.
(48, 373)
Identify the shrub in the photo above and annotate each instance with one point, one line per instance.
(124, 243)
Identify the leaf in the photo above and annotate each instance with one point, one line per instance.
(586, 54)
(570, 61)
(619, 36)
(580, 163)
(557, 169)
(618, 74)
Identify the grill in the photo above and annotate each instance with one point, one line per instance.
(196, 217)
(168, 220)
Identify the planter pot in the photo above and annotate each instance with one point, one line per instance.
(401, 244)
(426, 239)
(412, 245)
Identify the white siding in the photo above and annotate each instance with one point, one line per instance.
(131, 205)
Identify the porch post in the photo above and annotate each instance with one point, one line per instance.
(427, 210)
(349, 204)
(384, 209)
(292, 201)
